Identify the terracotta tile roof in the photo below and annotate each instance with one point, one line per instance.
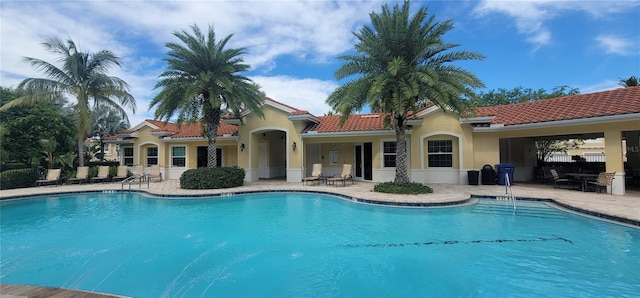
(606, 103)
(361, 122)
(191, 130)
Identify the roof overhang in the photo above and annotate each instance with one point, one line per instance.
(188, 139)
(234, 121)
(161, 133)
(119, 141)
(271, 103)
(415, 121)
(560, 123)
(342, 134)
(304, 117)
(477, 120)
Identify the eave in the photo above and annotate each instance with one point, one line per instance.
(342, 134)
(304, 117)
(559, 123)
(191, 139)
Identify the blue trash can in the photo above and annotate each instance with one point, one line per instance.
(505, 169)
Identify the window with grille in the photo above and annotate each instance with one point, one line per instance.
(440, 153)
(128, 156)
(389, 154)
(178, 156)
(152, 156)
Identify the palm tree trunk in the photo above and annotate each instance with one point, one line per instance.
(80, 151)
(211, 120)
(402, 175)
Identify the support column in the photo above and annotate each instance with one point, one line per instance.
(614, 160)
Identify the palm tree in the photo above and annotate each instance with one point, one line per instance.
(81, 75)
(107, 123)
(202, 82)
(630, 82)
(402, 65)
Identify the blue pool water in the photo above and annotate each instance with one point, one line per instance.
(312, 245)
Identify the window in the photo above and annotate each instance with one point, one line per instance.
(389, 154)
(333, 157)
(440, 153)
(152, 156)
(128, 156)
(178, 156)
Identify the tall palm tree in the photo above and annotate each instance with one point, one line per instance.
(202, 82)
(107, 122)
(81, 75)
(401, 65)
(630, 82)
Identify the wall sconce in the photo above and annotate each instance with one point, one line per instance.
(242, 147)
(293, 146)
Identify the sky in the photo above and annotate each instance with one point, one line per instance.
(293, 46)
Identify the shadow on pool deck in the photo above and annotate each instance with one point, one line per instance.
(625, 207)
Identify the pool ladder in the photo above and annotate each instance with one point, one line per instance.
(132, 179)
(508, 192)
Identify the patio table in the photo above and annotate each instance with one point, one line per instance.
(583, 177)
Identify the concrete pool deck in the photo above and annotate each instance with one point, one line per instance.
(625, 207)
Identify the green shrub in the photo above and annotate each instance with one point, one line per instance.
(212, 178)
(18, 178)
(406, 188)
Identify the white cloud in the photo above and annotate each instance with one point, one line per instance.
(312, 31)
(301, 93)
(613, 44)
(531, 16)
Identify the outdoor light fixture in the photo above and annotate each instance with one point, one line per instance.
(294, 146)
(242, 147)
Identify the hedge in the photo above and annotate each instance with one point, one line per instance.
(212, 178)
(18, 178)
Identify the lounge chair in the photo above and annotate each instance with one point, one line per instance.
(103, 174)
(155, 173)
(82, 175)
(123, 173)
(138, 171)
(604, 180)
(559, 182)
(344, 176)
(53, 177)
(316, 174)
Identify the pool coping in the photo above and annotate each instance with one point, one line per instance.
(453, 203)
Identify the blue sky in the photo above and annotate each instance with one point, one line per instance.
(293, 45)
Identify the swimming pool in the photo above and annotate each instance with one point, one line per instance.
(302, 244)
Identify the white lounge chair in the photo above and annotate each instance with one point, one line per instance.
(316, 174)
(82, 175)
(53, 177)
(103, 174)
(155, 173)
(344, 176)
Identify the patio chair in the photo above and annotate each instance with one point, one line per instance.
(604, 179)
(316, 174)
(344, 176)
(559, 182)
(53, 177)
(138, 171)
(103, 174)
(82, 175)
(155, 173)
(123, 173)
